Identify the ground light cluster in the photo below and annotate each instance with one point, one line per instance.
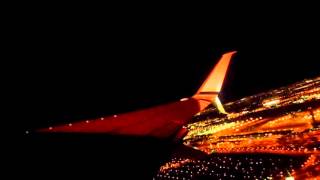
(271, 135)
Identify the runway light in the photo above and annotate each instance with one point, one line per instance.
(87, 121)
(70, 124)
(27, 132)
(50, 128)
(102, 119)
(115, 116)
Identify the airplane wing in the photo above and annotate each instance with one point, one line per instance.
(161, 121)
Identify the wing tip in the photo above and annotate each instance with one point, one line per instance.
(230, 53)
(214, 80)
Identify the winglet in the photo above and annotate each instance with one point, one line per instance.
(214, 81)
(211, 87)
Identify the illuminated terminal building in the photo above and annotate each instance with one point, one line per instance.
(271, 135)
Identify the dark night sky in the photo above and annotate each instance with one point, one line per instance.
(74, 67)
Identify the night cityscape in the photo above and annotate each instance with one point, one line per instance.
(126, 94)
(271, 135)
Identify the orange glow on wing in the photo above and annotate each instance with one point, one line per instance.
(160, 121)
(215, 80)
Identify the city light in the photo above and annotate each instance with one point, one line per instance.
(272, 135)
(270, 103)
